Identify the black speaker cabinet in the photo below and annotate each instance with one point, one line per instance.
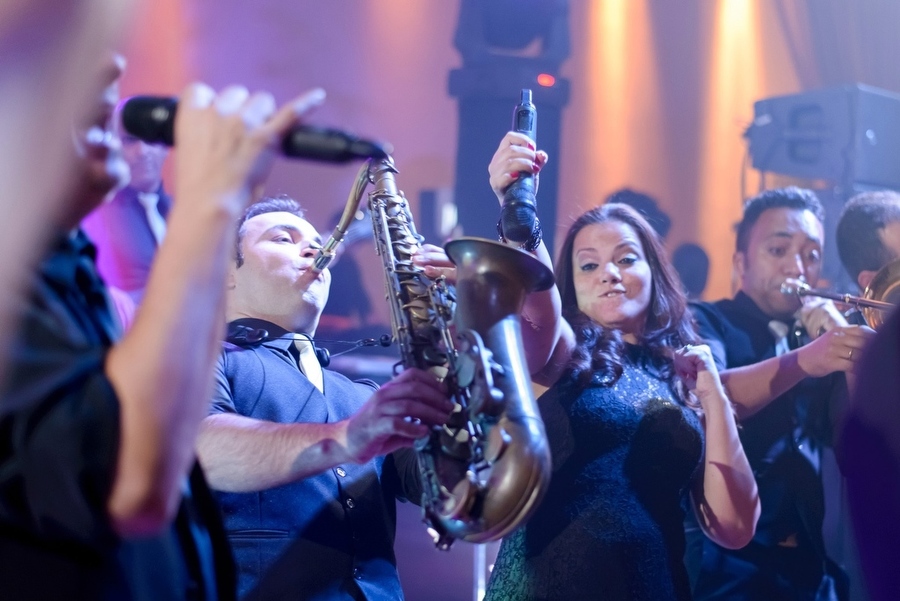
(848, 135)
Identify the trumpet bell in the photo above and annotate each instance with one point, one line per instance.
(884, 287)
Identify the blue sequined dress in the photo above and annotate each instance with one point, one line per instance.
(610, 526)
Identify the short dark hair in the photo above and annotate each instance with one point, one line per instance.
(647, 206)
(792, 197)
(859, 244)
(271, 204)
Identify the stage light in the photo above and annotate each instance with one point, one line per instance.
(546, 80)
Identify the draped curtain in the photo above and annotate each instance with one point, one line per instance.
(851, 41)
(661, 91)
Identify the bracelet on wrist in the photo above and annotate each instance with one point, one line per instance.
(530, 245)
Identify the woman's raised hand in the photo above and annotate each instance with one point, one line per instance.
(695, 366)
(516, 153)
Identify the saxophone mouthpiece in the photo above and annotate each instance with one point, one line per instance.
(327, 253)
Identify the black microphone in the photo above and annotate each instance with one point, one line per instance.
(519, 211)
(152, 119)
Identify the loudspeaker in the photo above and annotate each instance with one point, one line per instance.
(848, 135)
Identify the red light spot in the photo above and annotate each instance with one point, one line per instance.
(546, 80)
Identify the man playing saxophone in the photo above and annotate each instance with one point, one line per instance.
(307, 463)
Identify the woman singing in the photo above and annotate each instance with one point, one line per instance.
(636, 416)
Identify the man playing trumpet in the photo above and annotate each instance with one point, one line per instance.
(786, 394)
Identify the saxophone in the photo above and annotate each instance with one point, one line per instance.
(485, 470)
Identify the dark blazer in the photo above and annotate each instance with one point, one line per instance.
(126, 245)
(329, 536)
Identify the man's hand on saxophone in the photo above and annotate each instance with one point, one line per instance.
(400, 412)
(434, 260)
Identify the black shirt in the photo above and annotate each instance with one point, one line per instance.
(59, 442)
(783, 443)
(784, 440)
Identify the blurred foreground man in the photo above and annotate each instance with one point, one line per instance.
(868, 236)
(98, 498)
(44, 47)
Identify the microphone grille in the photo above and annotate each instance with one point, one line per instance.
(150, 118)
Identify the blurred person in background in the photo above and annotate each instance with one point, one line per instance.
(130, 227)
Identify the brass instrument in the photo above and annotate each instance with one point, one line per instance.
(485, 470)
(880, 296)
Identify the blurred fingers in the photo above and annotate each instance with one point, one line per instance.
(405, 429)
(430, 249)
(231, 99)
(429, 254)
(540, 159)
(290, 114)
(434, 272)
(197, 95)
(258, 109)
(411, 409)
(307, 101)
(514, 138)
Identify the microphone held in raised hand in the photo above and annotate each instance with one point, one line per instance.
(518, 216)
(152, 119)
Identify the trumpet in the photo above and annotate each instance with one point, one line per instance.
(880, 296)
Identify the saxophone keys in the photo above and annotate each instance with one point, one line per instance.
(458, 505)
(492, 402)
(455, 446)
(498, 441)
(434, 357)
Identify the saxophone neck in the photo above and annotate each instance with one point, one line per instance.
(329, 250)
(381, 173)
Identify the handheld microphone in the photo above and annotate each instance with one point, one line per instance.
(152, 119)
(519, 211)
